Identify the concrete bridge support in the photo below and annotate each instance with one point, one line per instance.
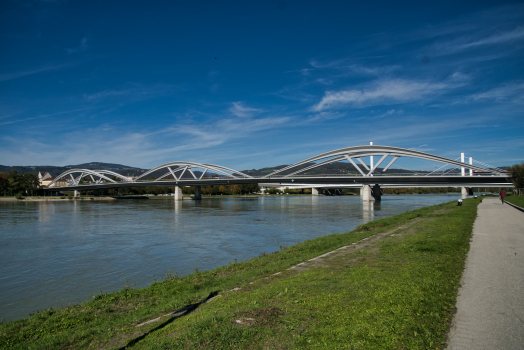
(464, 191)
(178, 194)
(76, 194)
(377, 193)
(317, 191)
(366, 194)
(198, 193)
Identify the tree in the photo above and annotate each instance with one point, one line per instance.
(517, 175)
(4, 183)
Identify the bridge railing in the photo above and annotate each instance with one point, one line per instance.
(381, 175)
(284, 177)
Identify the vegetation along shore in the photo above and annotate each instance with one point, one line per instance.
(391, 283)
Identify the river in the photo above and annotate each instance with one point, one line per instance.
(59, 253)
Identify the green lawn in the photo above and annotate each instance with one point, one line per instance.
(517, 200)
(395, 290)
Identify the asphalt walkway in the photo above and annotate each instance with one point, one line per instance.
(490, 305)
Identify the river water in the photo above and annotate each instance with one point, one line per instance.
(58, 253)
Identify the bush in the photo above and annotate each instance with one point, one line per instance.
(272, 190)
(19, 195)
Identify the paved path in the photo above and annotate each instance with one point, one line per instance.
(490, 305)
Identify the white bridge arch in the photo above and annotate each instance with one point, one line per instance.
(354, 153)
(174, 169)
(182, 167)
(100, 174)
(182, 173)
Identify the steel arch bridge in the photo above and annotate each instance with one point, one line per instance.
(180, 173)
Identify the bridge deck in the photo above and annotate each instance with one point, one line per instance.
(406, 181)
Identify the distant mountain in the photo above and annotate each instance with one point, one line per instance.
(57, 170)
(331, 169)
(101, 166)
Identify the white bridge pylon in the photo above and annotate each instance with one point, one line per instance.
(355, 153)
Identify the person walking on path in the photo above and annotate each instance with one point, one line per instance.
(490, 302)
(502, 194)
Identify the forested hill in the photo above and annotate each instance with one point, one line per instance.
(57, 170)
(332, 169)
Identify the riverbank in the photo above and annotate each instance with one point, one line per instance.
(124, 197)
(55, 199)
(394, 285)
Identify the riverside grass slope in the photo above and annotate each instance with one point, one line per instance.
(393, 287)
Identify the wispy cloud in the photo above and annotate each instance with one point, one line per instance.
(390, 112)
(295, 94)
(382, 92)
(46, 68)
(41, 116)
(81, 47)
(240, 110)
(324, 116)
(348, 66)
(135, 92)
(144, 148)
(500, 38)
(475, 40)
(513, 92)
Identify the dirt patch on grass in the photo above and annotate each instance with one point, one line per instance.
(263, 317)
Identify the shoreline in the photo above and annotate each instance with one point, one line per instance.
(54, 199)
(281, 285)
(187, 197)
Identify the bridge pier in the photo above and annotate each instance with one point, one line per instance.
(76, 194)
(377, 193)
(366, 194)
(317, 191)
(464, 191)
(178, 194)
(198, 193)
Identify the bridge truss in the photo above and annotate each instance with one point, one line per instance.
(181, 173)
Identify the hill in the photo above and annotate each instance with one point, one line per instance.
(335, 168)
(57, 170)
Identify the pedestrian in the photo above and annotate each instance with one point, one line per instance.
(502, 194)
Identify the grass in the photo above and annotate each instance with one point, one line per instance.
(517, 200)
(396, 292)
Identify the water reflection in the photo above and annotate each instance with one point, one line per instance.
(63, 252)
(368, 211)
(177, 206)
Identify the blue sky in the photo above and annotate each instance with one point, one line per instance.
(137, 83)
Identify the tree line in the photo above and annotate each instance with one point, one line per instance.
(159, 190)
(15, 184)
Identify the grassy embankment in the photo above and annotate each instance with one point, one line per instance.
(396, 289)
(517, 200)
